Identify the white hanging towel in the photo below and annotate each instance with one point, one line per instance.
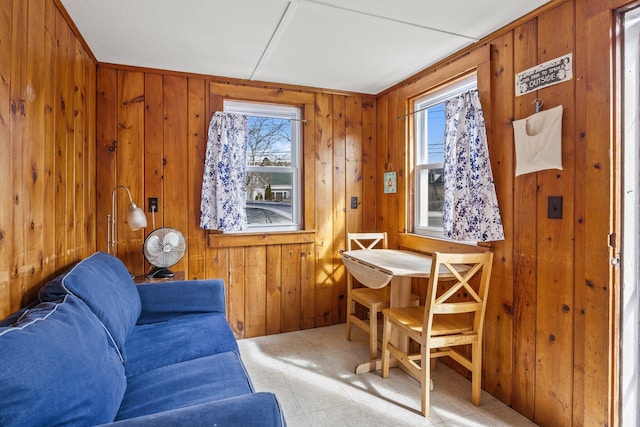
(538, 140)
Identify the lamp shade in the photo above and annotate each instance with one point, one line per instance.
(136, 217)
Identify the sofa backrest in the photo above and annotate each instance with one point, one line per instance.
(58, 367)
(103, 283)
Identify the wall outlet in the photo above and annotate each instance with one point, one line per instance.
(354, 203)
(153, 204)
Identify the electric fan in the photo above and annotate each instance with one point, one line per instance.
(163, 248)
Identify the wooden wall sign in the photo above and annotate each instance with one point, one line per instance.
(546, 74)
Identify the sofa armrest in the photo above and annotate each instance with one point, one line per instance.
(255, 409)
(165, 300)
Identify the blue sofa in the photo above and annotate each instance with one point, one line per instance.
(98, 349)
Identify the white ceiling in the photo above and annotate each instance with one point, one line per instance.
(361, 46)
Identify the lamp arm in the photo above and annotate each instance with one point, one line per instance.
(111, 219)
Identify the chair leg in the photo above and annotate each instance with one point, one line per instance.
(425, 379)
(386, 333)
(350, 310)
(373, 333)
(348, 327)
(476, 373)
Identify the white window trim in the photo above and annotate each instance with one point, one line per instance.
(284, 112)
(434, 97)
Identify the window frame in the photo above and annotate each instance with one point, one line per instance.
(294, 113)
(419, 104)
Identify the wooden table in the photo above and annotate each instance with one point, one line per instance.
(142, 278)
(377, 268)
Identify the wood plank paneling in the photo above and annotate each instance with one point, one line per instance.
(6, 152)
(129, 166)
(339, 205)
(596, 295)
(197, 145)
(175, 173)
(323, 122)
(354, 147)
(273, 315)
(256, 293)
(47, 212)
(368, 168)
(19, 138)
(49, 187)
(106, 144)
(493, 79)
(153, 148)
(33, 167)
(291, 316)
(307, 285)
(554, 303)
(524, 244)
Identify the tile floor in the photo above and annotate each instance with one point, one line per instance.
(312, 374)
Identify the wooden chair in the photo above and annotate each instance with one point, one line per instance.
(445, 322)
(375, 300)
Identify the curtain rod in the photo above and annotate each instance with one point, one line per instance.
(412, 113)
(426, 108)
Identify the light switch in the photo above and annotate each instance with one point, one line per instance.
(554, 209)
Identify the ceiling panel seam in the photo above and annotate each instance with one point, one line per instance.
(284, 19)
(398, 21)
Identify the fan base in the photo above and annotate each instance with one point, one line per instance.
(160, 273)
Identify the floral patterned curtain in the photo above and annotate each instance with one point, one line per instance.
(222, 206)
(470, 209)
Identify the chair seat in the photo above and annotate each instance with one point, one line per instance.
(368, 296)
(381, 297)
(412, 318)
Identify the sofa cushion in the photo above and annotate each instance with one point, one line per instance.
(58, 367)
(182, 338)
(254, 409)
(184, 384)
(104, 284)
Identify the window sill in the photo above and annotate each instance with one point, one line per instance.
(425, 244)
(220, 240)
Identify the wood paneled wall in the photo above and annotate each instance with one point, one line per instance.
(152, 130)
(550, 348)
(47, 149)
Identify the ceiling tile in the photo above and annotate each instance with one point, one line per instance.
(224, 38)
(332, 48)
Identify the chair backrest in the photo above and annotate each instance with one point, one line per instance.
(466, 275)
(366, 240)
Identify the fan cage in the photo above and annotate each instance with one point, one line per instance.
(164, 247)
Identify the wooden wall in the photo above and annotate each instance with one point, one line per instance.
(550, 348)
(47, 148)
(152, 129)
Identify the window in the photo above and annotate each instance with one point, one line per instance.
(273, 165)
(429, 124)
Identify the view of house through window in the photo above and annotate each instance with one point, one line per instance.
(273, 165)
(429, 155)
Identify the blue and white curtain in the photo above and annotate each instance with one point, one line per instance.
(470, 209)
(222, 206)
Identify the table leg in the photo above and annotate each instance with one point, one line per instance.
(400, 297)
